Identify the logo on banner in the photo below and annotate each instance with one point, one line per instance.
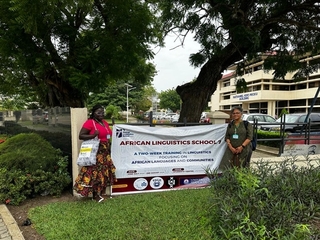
(140, 184)
(156, 182)
(196, 181)
(121, 132)
(171, 182)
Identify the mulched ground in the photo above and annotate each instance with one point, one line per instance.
(20, 213)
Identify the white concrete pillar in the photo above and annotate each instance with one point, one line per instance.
(245, 107)
(78, 117)
(272, 108)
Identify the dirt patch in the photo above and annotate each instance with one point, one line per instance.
(20, 213)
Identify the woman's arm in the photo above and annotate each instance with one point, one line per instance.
(85, 134)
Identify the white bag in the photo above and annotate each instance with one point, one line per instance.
(88, 152)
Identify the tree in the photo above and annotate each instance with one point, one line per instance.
(116, 95)
(63, 50)
(170, 99)
(237, 31)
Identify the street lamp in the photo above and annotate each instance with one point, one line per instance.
(129, 87)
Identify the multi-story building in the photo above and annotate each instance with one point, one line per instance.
(265, 95)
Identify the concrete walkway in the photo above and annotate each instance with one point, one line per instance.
(9, 229)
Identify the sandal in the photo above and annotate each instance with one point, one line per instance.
(98, 199)
(79, 195)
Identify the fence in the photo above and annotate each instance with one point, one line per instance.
(307, 133)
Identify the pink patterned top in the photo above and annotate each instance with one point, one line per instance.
(105, 132)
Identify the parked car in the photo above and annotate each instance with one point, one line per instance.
(204, 118)
(169, 116)
(175, 118)
(295, 122)
(157, 115)
(261, 118)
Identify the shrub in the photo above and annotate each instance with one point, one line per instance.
(31, 166)
(269, 135)
(58, 140)
(21, 185)
(28, 152)
(268, 202)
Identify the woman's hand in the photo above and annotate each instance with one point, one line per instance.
(239, 149)
(232, 149)
(96, 133)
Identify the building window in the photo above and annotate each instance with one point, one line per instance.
(264, 105)
(310, 100)
(312, 85)
(256, 88)
(226, 97)
(257, 68)
(302, 86)
(254, 105)
(226, 83)
(282, 104)
(299, 102)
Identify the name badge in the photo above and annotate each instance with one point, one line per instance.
(108, 136)
(235, 136)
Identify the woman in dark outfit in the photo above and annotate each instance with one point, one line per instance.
(238, 139)
(93, 180)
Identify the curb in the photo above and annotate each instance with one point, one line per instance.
(10, 224)
(274, 153)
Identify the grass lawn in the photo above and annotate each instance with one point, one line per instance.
(177, 214)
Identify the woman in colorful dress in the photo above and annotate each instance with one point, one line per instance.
(93, 180)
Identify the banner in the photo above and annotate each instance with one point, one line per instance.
(147, 157)
(297, 145)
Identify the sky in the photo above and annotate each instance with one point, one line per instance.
(172, 64)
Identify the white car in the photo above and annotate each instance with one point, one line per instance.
(175, 118)
(169, 116)
(261, 118)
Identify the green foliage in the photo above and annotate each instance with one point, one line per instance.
(269, 201)
(28, 152)
(59, 140)
(269, 135)
(242, 33)
(116, 95)
(112, 112)
(21, 184)
(170, 99)
(31, 166)
(283, 112)
(44, 55)
(241, 85)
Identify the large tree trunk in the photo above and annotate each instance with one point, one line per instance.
(63, 96)
(61, 93)
(195, 95)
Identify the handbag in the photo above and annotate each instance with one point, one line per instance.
(88, 151)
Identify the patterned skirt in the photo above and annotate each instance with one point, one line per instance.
(96, 178)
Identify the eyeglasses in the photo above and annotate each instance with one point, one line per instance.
(99, 112)
(236, 113)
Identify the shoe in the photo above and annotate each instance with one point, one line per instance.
(98, 199)
(101, 199)
(79, 195)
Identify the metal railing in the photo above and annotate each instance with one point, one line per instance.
(304, 131)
